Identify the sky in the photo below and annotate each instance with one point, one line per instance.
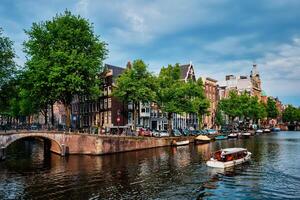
(219, 37)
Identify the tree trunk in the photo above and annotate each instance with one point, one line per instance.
(68, 113)
(200, 120)
(46, 116)
(52, 115)
(134, 116)
(170, 117)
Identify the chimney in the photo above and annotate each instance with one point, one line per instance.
(128, 66)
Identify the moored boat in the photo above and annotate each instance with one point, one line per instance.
(229, 157)
(275, 129)
(180, 143)
(221, 137)
(233, 135)
(267, 130)
(202, 139)
(246, 135)
(259, 131)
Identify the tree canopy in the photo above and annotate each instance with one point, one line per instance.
(272, 111)
(242, 105)
(177, 96)
(64, 57)
(136, 84)
(291, 114)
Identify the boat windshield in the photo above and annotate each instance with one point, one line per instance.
(224, 157)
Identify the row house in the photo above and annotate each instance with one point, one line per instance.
(158, 120)
(106, 111)
(211, 93)
(249, 84)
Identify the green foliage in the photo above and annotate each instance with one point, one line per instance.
(291, 114)
(272, 111)
(64, 58)
(7, 64)
(136, 84)
(243, 105)
(176, 96)
(219, 117)
(231, 106)
(7, 74)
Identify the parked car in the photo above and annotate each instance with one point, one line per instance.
(185, 132)
(196, 132)
(164, 133)
(155, 133)
(176, 132)
(144, 132)
(211, 131)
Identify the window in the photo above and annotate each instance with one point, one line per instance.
(109, 103)
(143, 110)
(105, 103)
(147, 110)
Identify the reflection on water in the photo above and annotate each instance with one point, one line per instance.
(165, 173)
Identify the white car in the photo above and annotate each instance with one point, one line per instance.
(155, 133)
(164, 133)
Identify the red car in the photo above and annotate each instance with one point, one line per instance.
(144, 132)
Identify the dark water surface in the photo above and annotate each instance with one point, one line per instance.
(161, 173)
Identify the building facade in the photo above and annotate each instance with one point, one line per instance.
(211, 93)
(106, 111)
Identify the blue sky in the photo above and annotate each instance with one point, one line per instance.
(218, 36)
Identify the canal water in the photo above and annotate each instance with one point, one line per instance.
(161, 173)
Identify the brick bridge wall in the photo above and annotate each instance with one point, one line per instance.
(64, 143)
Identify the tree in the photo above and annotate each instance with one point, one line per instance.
(64, 58)
(272, 111)
(291, 114)
(7, 63)
(176, 96)
(8, 71)
(231, 106)
(219, 117)
(243, 105)
(136, 84)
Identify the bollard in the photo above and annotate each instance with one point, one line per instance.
(2, 153)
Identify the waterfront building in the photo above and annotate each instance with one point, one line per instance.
(158, 119)
(211, 93)
(106, 111)
(249, 84)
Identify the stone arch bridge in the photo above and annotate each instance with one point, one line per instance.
(71, 143)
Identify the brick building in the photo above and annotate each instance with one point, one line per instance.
(106, 109)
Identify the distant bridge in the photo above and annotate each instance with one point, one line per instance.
(64, 143)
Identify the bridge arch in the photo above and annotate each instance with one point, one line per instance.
(23, 136)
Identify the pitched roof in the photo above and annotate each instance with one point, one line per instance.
(184, 70)
(116, 71)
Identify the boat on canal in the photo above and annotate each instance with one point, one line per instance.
(266, 130)
(233, 135)
(246, 135)
(180, 143)
(275, 129)
(221, 137)
(229, 157)
(202, 139)
(259, 131)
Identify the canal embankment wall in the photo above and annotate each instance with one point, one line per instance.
(99, 145)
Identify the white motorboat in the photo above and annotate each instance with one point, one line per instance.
(267, 130)
(229, 157)
(202, 139)
(246, 135)
(233, 135)
(180, 143)
(259, 131)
